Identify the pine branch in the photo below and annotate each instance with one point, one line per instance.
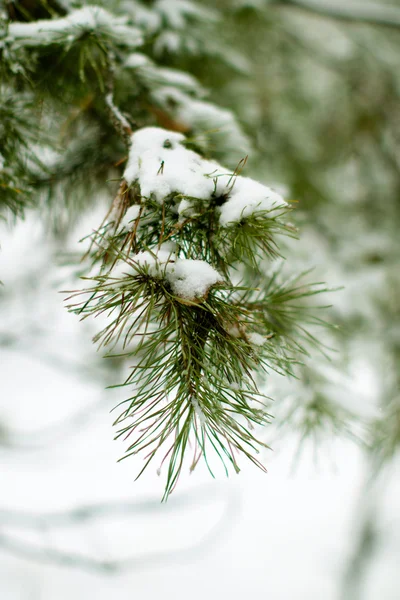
(178, 229)
(92, 20)
(370, 13)
(179, 258)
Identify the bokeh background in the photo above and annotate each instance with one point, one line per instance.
(315, 87)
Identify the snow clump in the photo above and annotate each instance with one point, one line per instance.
(162, 166)
(189, 279)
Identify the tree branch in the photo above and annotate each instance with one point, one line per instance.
(44, 521)
(119, 120)
(371, 13)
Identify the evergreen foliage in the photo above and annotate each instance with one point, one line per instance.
(80, 83)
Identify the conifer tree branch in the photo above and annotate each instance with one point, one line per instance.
(371, 13)
(178, 261)
(167, 250)
(121, 122)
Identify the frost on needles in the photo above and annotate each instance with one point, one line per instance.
(181, 255)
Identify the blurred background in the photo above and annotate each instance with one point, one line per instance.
(315, 89)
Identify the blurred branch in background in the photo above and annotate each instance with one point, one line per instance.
(367, 538)
(373, 531)
(12, 439)
(13, 525)
(372, 13)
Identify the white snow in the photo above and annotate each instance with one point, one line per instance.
(180, 95)
(198, 410)
(168, 246)
(247, 197)
(120, 269)
(88, 18)
(175, 77)
(154, 259)
(186, 209)
(45, 159)
(219, 123)
(175, 13)
(136, 60)
(117, 113)
(172, 13)
(130, 216)
(162, 166)
(169, 41)
(256, 339)
(191, 279)
(146, 18)
(156, 76)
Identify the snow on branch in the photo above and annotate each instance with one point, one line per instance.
(162, 166)
(372, 13)
(179, 233)
(177, 12)
(189, 279)
(216, 123)
(181, 96)
(154, 76)
(120, 121)
(84, 20)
